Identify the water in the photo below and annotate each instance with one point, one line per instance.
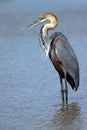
(30, 97)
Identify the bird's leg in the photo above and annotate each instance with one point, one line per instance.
(66, 90)
(62, 89)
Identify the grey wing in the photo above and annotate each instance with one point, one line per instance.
(68, 58)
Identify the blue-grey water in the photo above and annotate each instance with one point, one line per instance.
(30, 97)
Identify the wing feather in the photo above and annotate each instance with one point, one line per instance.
(67, 57)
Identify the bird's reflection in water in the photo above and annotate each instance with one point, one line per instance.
(67, 118)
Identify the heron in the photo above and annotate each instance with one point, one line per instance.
(60, 52)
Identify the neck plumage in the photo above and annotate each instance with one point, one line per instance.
(44, 41)
(43, 37)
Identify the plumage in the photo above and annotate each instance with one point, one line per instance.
(60, 52)
(67, 57)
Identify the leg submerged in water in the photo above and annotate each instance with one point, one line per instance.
(66, 90)
(62, 89)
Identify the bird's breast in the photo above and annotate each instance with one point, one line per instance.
(55, 60)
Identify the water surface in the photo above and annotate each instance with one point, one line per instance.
(30, 97)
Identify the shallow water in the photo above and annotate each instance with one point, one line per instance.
(30, 97)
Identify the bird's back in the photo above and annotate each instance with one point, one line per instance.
(67, 58)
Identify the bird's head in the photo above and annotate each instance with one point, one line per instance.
(45, 17)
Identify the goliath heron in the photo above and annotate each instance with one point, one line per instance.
(60, 53)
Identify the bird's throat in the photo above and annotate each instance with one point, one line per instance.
(44, 41)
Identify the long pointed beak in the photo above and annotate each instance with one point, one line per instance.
(39, 20)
